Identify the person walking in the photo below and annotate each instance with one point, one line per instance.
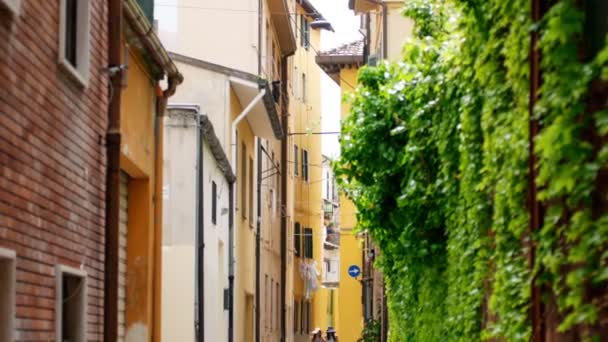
(331, 335)
(317, 335)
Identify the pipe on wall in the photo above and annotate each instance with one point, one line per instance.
(231, 262)
(384, 30)
(113, 140)
(200, 232)
(283, 190)
(258, 237)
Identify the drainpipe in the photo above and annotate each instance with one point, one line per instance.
(231, 262)
(235, 123)
(113, 175)
(257, 244)
(384, 31)
(284, 200)
(260, 8)
(200, 232)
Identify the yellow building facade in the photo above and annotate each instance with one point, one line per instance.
(342, 64)
(310, 304)
(140, 164)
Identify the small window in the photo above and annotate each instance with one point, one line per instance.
(243, 180)
(266, 301)
(7, 294)
(278, 309)
(304, 88)
(295, 160)
(308, 243)
(296, 313)
(213, 203)
(305, 28)
(74, 34)
(305, 165)
(271, 317)
(11, 5)
(297, 239)
(251, 191)
(71, 304)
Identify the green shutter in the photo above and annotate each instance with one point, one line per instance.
(148, 7)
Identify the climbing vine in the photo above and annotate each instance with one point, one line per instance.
(434, 155)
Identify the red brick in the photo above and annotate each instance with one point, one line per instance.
(51, 211)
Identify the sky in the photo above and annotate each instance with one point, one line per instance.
(346, 25)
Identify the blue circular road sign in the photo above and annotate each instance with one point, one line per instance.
(354, 271)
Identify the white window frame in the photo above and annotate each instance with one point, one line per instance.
(80, 72)
(13, 6)
(60, 270)
(7, 313)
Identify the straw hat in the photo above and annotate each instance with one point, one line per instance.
(316, 331)
(331, 329)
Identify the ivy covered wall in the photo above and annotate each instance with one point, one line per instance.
(436, 157)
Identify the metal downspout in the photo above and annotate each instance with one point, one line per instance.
(283, 211)
(384, 31)
(257, 243)
(231, 262)
(260, 8)
(113, 140)
(200, 232)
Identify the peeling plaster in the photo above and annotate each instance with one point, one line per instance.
(137, 332)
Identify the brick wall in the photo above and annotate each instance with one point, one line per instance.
(52, 164)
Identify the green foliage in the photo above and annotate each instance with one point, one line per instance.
(371, 331)
(435, 157)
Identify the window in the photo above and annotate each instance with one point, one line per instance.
(296, 314)
(276, 312)
(243, 180)
(297, 239)
(11, 5)
(70, 304)
(251, 191)
(266, 300)
(308, 243)
(74, 30)
(305, 32)
(305, 165)
(327, 181)
(295, 160)
(304, 88)
(213, 203)
(7, 294)
(271, 317)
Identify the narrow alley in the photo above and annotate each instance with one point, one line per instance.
(303, 170)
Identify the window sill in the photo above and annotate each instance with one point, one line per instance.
(75, 74)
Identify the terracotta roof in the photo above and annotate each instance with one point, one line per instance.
(344, 56)
(350, 49)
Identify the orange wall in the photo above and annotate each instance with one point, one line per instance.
(139, 160)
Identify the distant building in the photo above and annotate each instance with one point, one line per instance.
(331, 222)
(236, 75)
